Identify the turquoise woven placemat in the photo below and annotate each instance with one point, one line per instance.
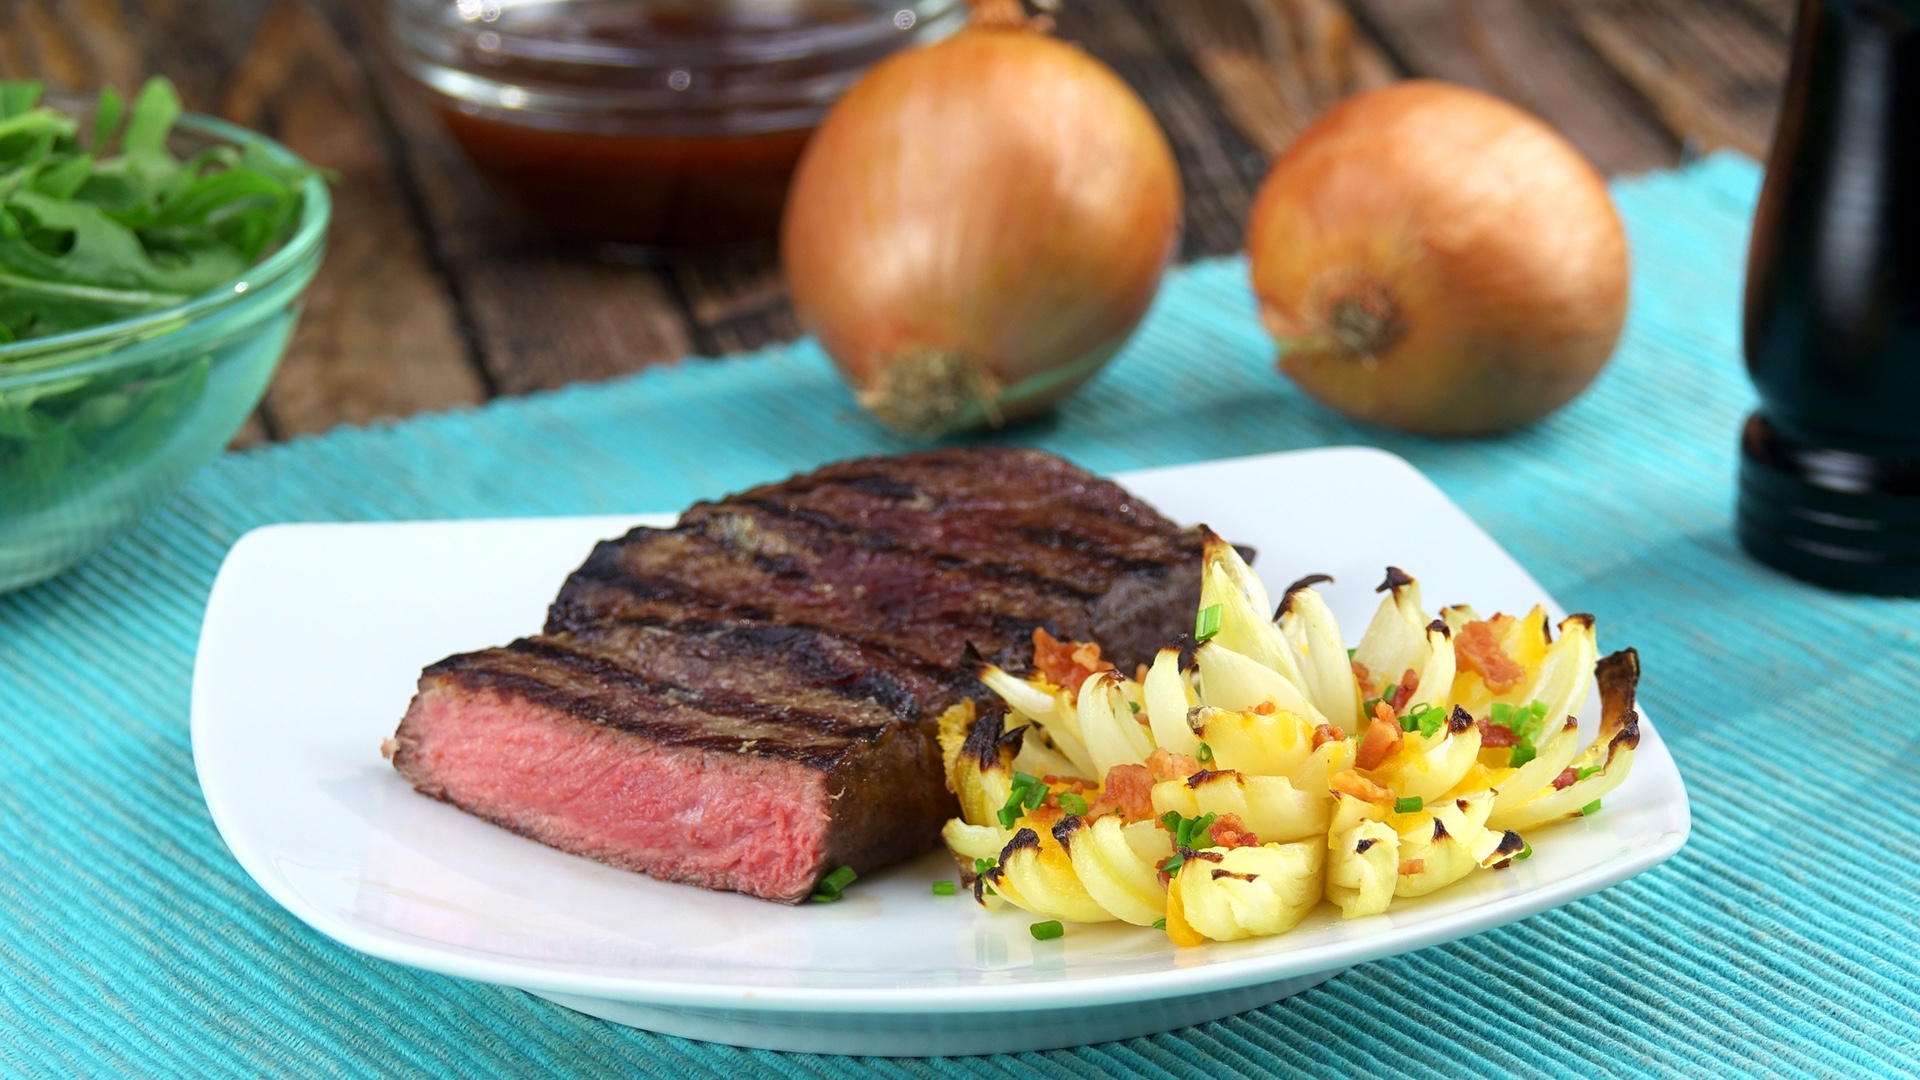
(1782, 941)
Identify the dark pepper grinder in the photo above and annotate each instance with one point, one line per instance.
(1830, 465)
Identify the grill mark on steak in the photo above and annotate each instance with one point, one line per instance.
(898, 599)
(791, 692)
(1081, 530)
(784, 520)
(605, 695)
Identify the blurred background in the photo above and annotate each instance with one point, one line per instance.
(435, 294)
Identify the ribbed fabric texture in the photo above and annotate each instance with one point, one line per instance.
(1781, 942)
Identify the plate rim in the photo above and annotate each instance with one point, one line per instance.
(1090, 991)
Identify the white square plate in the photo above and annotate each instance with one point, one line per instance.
(315, 635)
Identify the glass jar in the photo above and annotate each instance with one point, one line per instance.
(655, 124)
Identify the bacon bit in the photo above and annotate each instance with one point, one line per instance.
(1566, 778)
(1164, 764)
(1325, 734)
(1266, 708)
(1382, 739)
(1129, 792)
(1410, 867)
(1477, 648)
(1361, 675)
(1359, 787)
(1046, 814)
(1066, 663)
(1068, 783)
(1230, 832)
(1496, 735)
(1404, 692)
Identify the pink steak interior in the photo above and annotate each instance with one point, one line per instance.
(721, 820)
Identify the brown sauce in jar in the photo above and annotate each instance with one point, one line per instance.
(698, 172)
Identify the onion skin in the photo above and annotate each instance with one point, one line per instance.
(978, 226)
(1433, 259)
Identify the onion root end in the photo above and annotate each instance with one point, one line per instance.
(927, 393)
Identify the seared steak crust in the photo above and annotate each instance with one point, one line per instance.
(747, 700)
(784, 691)
(925, 553)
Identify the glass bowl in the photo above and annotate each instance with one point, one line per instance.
(659, 125)
(99, 426)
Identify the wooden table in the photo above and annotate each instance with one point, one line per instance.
(435, 296)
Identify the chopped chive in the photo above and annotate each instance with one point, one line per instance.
(943, 888)
(981, 866)
(1027, 794)
(1188, 834)
(1522, 753)
(1206, 624)
(1411, 805)
(1426, 719)
(1046, 931)
(1586, 771)
(1072, 804)
(1135, 706)
(1350, 652)
(1525, 853)
(829, 888)
(1159, 924)
(1591, 808)
(1523, 721)
(1204, 755)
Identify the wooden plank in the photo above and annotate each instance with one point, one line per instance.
(1714, 73)
(1275, 65)
(1524, 52)
(1219, 166)
(737, 302)
(379, 337)
(70, 46)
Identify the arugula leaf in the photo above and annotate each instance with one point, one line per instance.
(19, 97)
(88, 235)
(154, 111)
(107, 115)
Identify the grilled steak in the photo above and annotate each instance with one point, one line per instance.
(747, 757)
(747, 700)
(925, 553)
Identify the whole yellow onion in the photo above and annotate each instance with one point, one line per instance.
(979, 224)
(1433, 259)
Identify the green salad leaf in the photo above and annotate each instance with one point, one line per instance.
(112, 225)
